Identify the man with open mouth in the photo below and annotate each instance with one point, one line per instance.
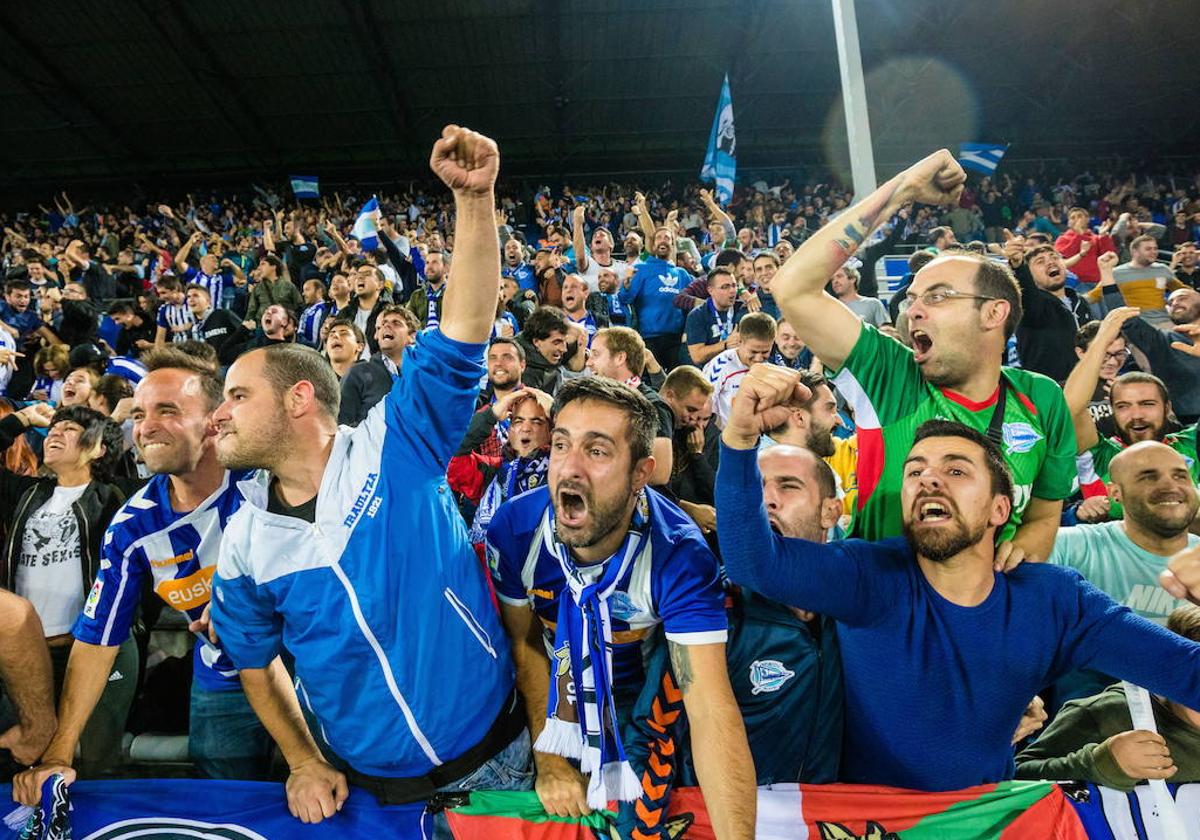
(1141, 410)
(931, 631)
(587, 568)
(961, 308)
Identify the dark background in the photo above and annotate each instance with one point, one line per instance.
(158, 93)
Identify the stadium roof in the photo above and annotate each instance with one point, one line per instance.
(170, 90)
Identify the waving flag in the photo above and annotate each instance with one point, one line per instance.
(720, 164)
(365, 230)
(305, 186)
(981, 157)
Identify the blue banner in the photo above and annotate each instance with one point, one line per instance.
(168, 809)
(305, 186)
(720, 164)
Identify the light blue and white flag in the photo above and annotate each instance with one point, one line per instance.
(720, 164)
(981, 157)
(305, 186)
(365, 229)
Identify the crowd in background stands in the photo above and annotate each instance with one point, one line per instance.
(659, 288)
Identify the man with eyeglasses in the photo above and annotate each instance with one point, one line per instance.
(960, 308)
(1141, 408)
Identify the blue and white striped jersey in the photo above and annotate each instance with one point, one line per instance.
(171, 315)
(215, 283)
(148, 543)
(126, 367)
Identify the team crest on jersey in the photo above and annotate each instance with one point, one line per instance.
(621, 606)
(767, 675)
(1020, 438)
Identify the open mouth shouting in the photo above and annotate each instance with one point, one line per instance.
(933, 510)
(922, 345)
(571, 507)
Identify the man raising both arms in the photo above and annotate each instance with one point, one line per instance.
(961, 309)
(397, 643)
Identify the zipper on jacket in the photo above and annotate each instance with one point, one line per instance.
(468, 619)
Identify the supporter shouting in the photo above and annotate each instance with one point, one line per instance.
(1053, 313)
(403, 731)
(1141, 410)
(598, 548)
(366, 384)
(930, 631)
(960, 309)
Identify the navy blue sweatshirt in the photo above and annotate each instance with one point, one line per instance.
(934, 691)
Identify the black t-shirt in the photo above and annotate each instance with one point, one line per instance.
(305, 510)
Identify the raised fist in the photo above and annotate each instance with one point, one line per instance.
(938, 179)
(466, 161)
(1108, 261)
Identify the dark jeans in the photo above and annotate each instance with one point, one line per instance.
(100, 741)
(225, 738)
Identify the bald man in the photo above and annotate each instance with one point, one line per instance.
(783, 661)
(1123, 559)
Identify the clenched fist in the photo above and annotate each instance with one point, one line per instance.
(466, 161)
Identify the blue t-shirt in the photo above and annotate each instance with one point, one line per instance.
(26, 323)
(705, 325)
(674, 581)
(524, 275)
(934, 690)
(149, 544)
(652, 291)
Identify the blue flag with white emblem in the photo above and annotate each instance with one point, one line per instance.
(305, 186)
(981, 157)
(720, 164)
(365, 229)
(170, 809)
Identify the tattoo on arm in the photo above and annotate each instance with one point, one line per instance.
(681, 664)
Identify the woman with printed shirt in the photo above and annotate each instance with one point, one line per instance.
(55, 527)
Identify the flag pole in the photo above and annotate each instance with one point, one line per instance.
(854, 96)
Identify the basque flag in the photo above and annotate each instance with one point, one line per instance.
(981, 157)
(720, 164)
(305, 186)
(365, 230)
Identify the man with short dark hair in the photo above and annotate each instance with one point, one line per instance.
(344, 345)
(426, 301)
(810, 424)
(365, 385)
(711, 327)
(324, 573)
(271, 287)
(368, 301)
(215, 327)
(1053, 313)
(165, 538)
(931, 633)
(505, 362)
(619, 353)
(605, 560)
(960, 310)
(1141, 409)
(552, 348)
(137, 328)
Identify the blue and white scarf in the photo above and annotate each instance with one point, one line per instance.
(515, 477)
(581, 715)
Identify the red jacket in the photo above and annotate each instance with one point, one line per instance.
(1086, 269)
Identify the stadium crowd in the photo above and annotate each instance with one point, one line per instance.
(608, 492)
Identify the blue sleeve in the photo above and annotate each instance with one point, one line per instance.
(1108, 637)
(630, 295)
(161, 318)
(432, 402)
(503, 560)
(250, 629)
(189, 276)
(847, 581)
(688, 596)
(697, 327)
(112, 603)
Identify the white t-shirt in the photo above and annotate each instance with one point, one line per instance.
(725, 371)
(50, 566)
(592, 275)
(6, 371)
